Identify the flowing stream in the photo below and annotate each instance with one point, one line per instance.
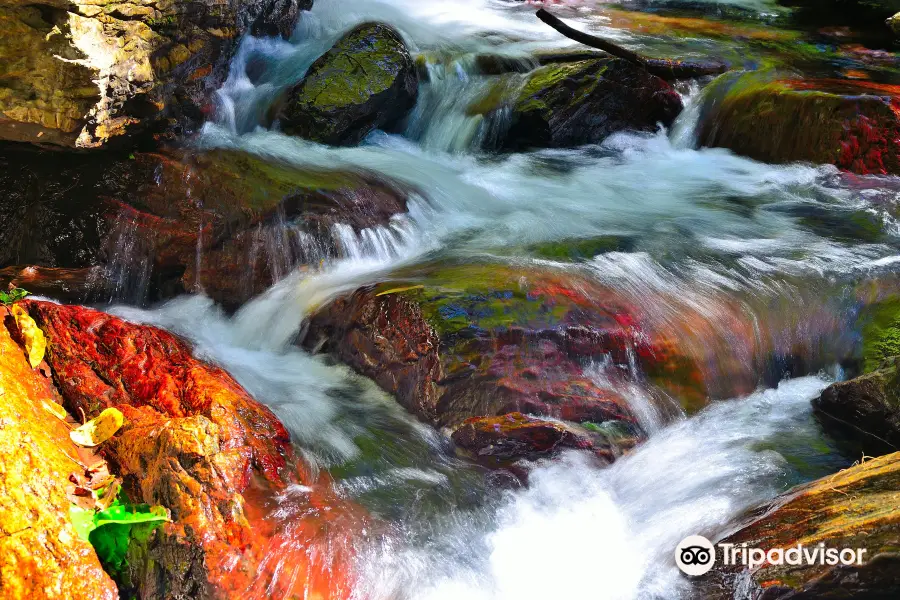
(701, 230)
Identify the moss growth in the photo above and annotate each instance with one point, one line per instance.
(880, 324)
(481, 297)
(543, 90)
(579, 249)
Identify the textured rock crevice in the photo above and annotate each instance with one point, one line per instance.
(81, 72)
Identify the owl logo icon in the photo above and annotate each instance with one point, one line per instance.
(695, 555)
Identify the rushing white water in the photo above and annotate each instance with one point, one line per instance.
(703, 227)
(582, 532)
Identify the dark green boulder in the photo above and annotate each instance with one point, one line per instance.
(866, 409)
(366, 81)
(583, 102)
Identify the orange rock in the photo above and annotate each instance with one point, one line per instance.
(41, 555)
(195, 442)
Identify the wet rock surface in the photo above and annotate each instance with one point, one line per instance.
(194, 442)
(866, 409)
(231, 225)
(155, 224)
(500, 441)
(367, 81)
(41, 555)
(475, 341)
(81, 73)
(855, 508)
(854, 126)
(584, 102)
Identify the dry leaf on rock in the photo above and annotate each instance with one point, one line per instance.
(98, 430)
(35, 343)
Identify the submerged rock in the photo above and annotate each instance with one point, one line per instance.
(230, 224)
(852, 125)
(368, 80)
(77, 73)
(41, 555)
(853, 509)
(586, 101)
(501, 441)
(194, 442)
(457, 342)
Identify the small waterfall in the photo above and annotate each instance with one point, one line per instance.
(127, 272)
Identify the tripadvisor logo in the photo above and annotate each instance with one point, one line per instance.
(696, 555)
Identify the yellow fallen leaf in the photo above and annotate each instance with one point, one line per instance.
(35, 343)
(55, 409)
(98, 430)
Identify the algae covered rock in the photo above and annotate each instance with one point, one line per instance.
(583, 102)
(854, 126)
(368, 80)
(41, 555)
(853, 509)
(251, 221)
(158, 223)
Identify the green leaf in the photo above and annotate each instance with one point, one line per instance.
(12, 296)
(83, 521)
(110, 531)
(111, 543)
(131, 513)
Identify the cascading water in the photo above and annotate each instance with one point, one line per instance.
(701, 231)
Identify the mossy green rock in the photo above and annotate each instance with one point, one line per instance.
(584, 102)
(368, 80)
(854, 126)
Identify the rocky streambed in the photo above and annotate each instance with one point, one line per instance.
(404, 299)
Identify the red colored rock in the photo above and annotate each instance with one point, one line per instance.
(195, 442)
(231, 224)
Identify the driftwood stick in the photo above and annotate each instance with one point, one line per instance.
(588, 39)
(666, 69)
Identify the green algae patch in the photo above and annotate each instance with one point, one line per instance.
(543, 90)
(573, 250)
(485, 298)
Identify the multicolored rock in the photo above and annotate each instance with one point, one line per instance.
(196, 443)
(487, 340)
(852, 125)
